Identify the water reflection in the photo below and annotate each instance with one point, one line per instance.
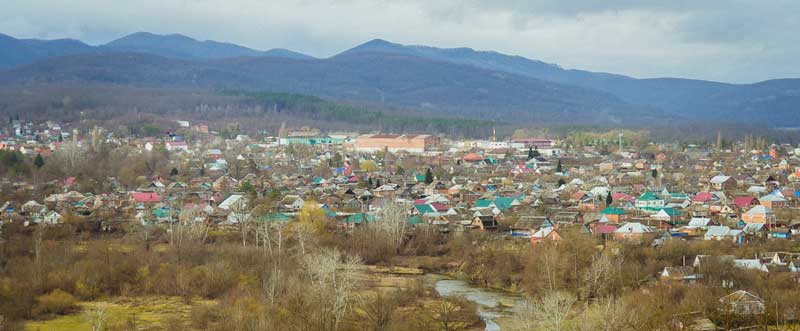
(491, 304)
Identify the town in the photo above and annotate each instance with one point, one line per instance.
(598, 224)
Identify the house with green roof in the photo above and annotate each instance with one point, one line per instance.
(359, 218)
(613, 214)
(423, 209)
(161, 214)
(650, 200)
(274, 217)
(505, 203)
(414, 220)
(483, 203)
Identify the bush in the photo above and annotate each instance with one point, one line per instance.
(55, 302)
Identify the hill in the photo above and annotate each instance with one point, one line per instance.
(182, 47)
(15, 52)
(431, 86)
(770, 100)
(463, 81)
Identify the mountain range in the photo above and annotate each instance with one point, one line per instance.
(457, 81)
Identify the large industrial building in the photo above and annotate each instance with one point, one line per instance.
(413, 143)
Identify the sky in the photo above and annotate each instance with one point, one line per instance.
(732, 41)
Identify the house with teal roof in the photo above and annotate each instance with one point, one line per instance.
(505, 203)
(423, 209)
(613, 214)
(274, 217)
(650, 200)
(161, 214)
(414, 220)
(483, 203)
(359, 218)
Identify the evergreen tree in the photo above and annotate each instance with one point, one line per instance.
(530, 153)
(609, 199)
(561, 182)
(39, 161)
(558, 167)
(173, 172)
(536, 152)
(337, 159)
(654, 173)
(428, 176)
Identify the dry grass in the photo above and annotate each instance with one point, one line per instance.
(147, 313)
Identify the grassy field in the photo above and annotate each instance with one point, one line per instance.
(145, 313)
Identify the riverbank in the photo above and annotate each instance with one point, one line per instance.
(495, 307)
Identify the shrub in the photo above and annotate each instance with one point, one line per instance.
(55, 302)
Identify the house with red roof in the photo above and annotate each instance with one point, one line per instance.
(69, 181)
(702, 198)
(472, 157)
(623, 197)
(146, 197)
(745, 203)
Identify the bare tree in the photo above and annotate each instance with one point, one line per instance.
(38, 238)
(191, 222)
(97, 319)
(607, 315)
(393, 222)
(332, 283)
(549, 313)
(243, 219)
(70, 154)
(597, 277)
(271, 234)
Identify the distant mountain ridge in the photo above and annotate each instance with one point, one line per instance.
(183, 47)
(483, 84)
(773, 100)
(15, 52)
(660, 92)
(433, 87)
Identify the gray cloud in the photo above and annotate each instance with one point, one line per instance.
(734, 40)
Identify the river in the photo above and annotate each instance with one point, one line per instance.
(492, 305)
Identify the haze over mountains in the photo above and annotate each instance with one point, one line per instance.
(459, 81)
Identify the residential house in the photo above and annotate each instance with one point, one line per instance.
(759, 214)
(745, 203)
(545, 234)
(650, 201)
(291, 203)
(721, 232)
(632, 231)
(678, 274)
(613, 215)
(722, 182)
(742, 303)
(485, 220)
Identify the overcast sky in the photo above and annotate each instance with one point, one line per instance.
(733, 41)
